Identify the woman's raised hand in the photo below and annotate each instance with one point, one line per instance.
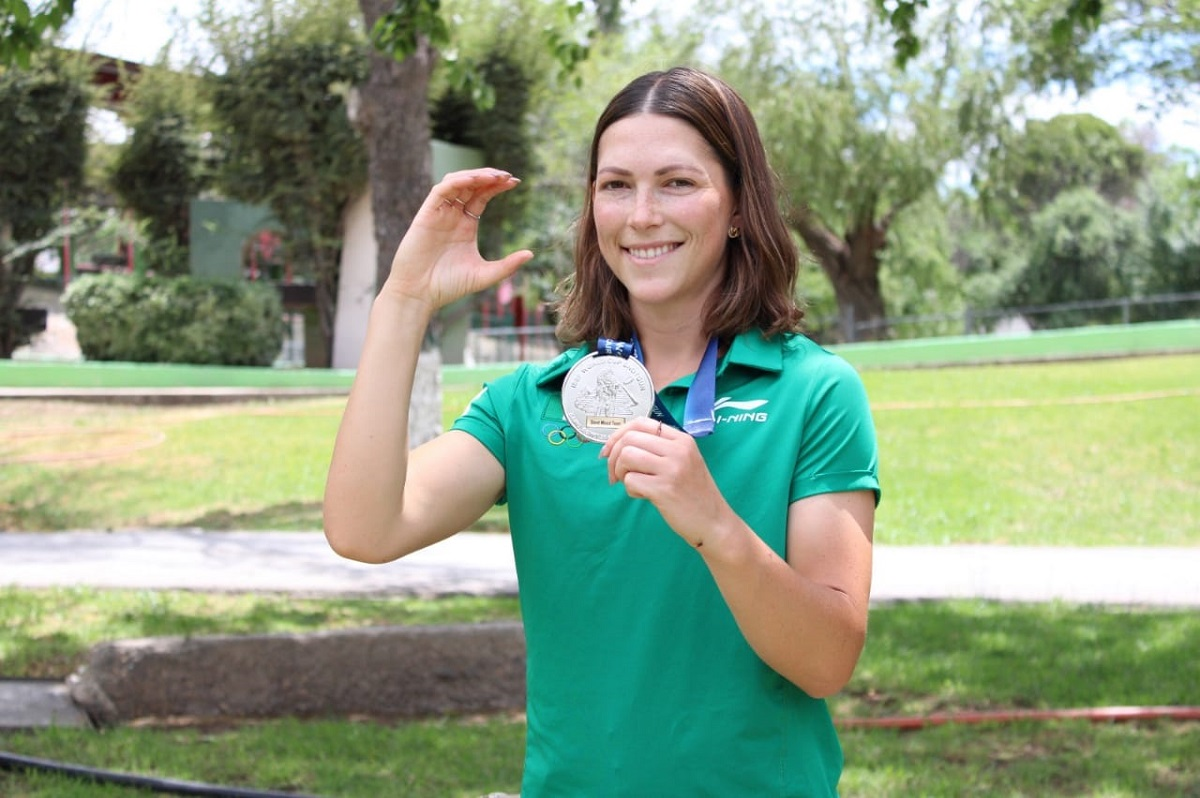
(438, 260)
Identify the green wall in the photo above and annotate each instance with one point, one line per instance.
(219, 228)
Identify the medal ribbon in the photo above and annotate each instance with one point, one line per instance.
(698, 409)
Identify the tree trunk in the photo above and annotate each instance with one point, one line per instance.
(852, 266)
(393, 118)
(14, 273)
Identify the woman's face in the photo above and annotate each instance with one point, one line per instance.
(662, 206)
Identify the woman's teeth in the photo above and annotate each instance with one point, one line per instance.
(651, 252)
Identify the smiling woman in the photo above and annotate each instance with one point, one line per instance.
(691, 591)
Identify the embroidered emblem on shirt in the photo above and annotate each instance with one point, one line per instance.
(749, 410)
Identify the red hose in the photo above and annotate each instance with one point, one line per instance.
(1094, 714)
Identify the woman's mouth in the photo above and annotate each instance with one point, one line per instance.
(650, 253)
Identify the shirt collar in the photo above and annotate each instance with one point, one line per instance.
(557, 368)
(752, 350)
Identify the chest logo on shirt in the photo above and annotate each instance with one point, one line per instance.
(561, 434)
(746, 411)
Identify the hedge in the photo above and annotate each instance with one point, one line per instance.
(175, 320)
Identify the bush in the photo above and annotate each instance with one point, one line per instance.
(175, 320)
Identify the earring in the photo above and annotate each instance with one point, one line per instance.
(735, 232)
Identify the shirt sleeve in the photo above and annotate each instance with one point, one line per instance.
(838, 450)
(483, 419)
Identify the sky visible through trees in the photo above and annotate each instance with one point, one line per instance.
(137, 29)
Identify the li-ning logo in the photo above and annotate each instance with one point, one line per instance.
(749, 410)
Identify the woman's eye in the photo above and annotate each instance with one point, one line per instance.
(613, 185)
(680, 182)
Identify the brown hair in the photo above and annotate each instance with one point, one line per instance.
(760, 276)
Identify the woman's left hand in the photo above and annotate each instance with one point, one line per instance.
(663, 465)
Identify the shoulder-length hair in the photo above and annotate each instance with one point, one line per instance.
(761, 262)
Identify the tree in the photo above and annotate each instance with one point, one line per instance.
(288, 142)
(393, 117)
(43, 115)
(500, 132)
(855, 141)
(1171, 199)
(158, 171)
(23, 27)
(988, 257)
(393, 114)
(917, 273)
(1080, 43)
(1082, 249)
(1065, 152)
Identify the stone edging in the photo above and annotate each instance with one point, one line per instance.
(384, 672)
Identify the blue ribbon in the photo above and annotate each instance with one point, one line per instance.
(699, 417)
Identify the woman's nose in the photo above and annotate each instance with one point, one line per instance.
(645, 210)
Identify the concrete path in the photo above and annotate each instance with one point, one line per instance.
(301, 563)
(482, 564)
(32, 704)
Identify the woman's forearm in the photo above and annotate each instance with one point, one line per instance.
(364, 490)
(806, 618)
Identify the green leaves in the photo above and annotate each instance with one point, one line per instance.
(43, 112)
(902, 15)
(22, 27)
(398, 31)
(176, 320)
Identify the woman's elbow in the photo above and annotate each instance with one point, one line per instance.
(830, 676)
(349, 542)
(827, 684)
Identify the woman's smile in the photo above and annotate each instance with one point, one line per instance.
(650, 252)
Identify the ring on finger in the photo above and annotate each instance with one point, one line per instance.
(463, 205)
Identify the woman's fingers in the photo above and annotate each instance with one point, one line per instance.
(636, 447)
(438, 259)
(470, 191)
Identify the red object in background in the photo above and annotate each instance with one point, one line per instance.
(1094, 714)
(265, 244)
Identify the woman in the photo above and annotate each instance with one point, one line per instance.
(690, 591)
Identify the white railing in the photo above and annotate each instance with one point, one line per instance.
(535, 344)
(972, 321)
(510, 345)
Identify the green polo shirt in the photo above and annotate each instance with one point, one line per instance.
(639, 682)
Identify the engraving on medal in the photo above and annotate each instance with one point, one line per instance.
(602, 392)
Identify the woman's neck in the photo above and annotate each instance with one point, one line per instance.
(671, 350)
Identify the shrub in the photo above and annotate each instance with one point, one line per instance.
(175, 320)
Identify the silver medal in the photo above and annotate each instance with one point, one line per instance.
(602, 392)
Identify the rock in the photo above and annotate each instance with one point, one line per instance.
(384, 672)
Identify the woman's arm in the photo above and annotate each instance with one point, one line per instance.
(381, 502)
(805, 616)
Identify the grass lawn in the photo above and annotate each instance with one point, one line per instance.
(920, 657)
(1097, 453)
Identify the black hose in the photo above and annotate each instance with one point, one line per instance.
(10, 761)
